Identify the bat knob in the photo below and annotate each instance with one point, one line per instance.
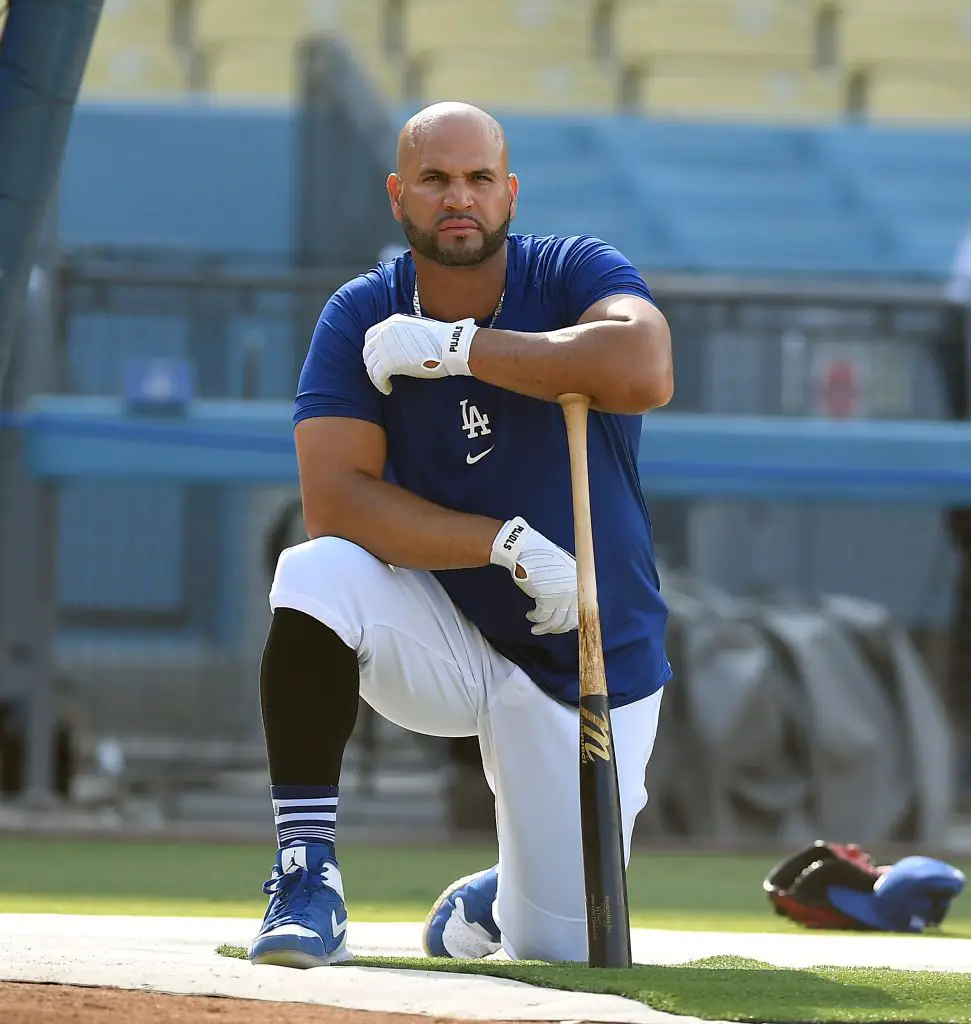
(570, 399)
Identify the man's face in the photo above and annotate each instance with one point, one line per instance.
(453, 193)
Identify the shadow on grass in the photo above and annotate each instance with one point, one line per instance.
(732, 988)
(727, 988)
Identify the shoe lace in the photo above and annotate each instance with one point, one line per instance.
(293, 890)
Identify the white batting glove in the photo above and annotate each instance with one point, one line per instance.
(417, 347)
(542, 570)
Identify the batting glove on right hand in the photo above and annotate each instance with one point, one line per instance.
(543, 571)
(416, 346)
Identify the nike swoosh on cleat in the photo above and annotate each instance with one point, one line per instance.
(473, 459)
(338, 929)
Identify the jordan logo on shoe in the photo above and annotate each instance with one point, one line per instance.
(293, 858)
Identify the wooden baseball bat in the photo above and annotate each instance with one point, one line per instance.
(601, 829)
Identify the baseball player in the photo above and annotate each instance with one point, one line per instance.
(439, 583)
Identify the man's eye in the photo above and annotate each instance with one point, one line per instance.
(483, 177)
(433, 177)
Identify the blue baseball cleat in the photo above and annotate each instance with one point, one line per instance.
(460, 924)
(305, 924)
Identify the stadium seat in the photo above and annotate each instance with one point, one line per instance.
(559, 139)
(132, 54)
(543, 28)
(754, 191)
(252, 71)
(736, 241)
(634, 231)
(911, 181)
(907, 95)
(141, 21)
(929, 194)
(775, 28)
(502, 84)
(133, 70)
(739, 89)
(904, 31)
(256, 71)
(713, 145)
(360, 22)
(918, 154)
(723, 195)
(267, 32)
(924, 212)
(927, 245)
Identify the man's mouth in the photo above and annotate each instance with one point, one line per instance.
(458, 227)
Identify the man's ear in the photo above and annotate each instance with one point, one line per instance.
(394, 194)
(514, 192)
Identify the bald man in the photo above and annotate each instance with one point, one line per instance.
(439, 582)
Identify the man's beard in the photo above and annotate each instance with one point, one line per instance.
(425, 243)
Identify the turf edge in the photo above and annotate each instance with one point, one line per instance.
(715, 988)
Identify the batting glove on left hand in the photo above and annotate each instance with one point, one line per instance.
(417, 347)
(544, 571)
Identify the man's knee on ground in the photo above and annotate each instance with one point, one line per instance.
(532, 933)
(560, 941)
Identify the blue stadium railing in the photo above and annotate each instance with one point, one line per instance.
(683, 455)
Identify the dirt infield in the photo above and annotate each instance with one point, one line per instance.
(71, 1004)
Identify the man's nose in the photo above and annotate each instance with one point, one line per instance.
(458, 195)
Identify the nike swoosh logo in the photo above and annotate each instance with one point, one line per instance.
(473, 459)
(338, 929)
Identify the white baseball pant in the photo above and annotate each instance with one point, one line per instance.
(427, 668)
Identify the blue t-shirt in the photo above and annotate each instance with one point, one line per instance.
(474, 447)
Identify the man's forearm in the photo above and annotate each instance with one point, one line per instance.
(614, 362)
(399, 527)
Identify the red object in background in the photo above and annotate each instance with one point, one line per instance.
(840, 388)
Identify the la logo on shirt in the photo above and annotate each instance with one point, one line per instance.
(474, 423)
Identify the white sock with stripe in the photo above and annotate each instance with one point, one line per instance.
(304, 815)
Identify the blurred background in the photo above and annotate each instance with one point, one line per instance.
(793, 177)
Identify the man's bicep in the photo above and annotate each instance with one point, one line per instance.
(339, 444)
(593, 270)
(624, 308)
(654, 365)
(331, 452)
(334, 382)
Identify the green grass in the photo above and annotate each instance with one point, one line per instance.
(733, 988)
(697, 891)
(667, 890)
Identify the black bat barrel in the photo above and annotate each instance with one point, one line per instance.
(605, 876)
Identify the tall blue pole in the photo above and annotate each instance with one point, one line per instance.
(43, 53)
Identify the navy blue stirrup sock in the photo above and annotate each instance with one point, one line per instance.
(309, 695)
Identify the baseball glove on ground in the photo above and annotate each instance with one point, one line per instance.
(830, 885)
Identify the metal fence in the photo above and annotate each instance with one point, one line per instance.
(161, 585)
(786, 348)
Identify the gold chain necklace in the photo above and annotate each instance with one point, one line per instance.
(416, 303)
